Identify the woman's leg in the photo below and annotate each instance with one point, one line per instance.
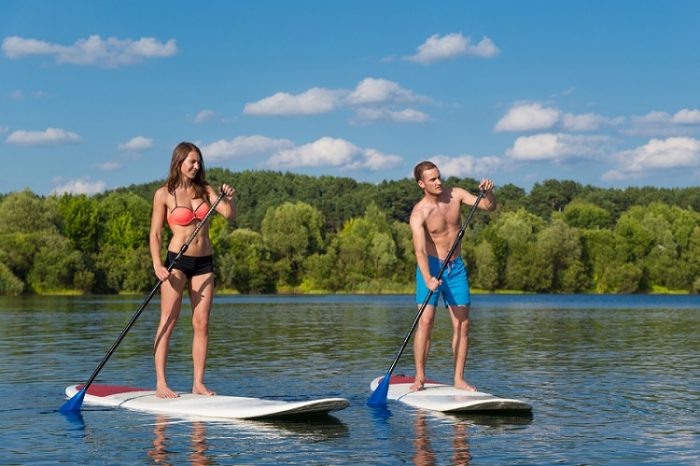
(170, 303)
(201, 296)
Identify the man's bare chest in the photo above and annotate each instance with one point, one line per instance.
(442, 218)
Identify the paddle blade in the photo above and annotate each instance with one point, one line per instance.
(74, 403)
(378, 397)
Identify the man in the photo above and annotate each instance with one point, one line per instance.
(435, 223)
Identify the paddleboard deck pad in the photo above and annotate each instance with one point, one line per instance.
(448, 399)
(189, 404)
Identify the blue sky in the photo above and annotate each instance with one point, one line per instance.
(95, 95)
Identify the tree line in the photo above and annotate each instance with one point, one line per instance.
(297, 233)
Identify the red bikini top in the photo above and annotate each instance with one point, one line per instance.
(182, 215)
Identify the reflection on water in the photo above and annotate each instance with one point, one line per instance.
(169, 448)
(198, 446)
(427, 432)
(424, 451)
(612, 380)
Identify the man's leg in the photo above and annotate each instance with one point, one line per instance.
(421, 345)
(460, 344)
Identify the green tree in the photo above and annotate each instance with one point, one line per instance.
(558, 258)
(9, 283)
(366, 255)
(246, 265)
(510, 197)
(80, 221)
(321, 270)
(581, 214)
(56, 264)
(552, 196)
(292, 232)
(608, 258)
(25, 212)
(486, 271)
(125, 220)
(518, 231)
(124, 269)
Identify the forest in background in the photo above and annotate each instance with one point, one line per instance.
(304, 234)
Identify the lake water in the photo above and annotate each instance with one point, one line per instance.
(613, 380)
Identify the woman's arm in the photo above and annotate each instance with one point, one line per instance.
(227, 206)
(154, 237)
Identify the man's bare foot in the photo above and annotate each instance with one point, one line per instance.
(165, 392)
(201, 389)
(462, 385)
(417, 385)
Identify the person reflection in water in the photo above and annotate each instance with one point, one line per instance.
(425, 454)
(160, 453)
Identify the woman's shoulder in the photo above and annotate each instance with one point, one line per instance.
(161, 193)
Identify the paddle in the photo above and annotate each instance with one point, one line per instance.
(74, 403)
(378, 397)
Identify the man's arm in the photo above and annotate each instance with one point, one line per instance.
(488, 202)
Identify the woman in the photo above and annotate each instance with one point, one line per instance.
(183, 201)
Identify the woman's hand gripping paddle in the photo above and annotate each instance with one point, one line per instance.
(379, 395)
(74, 403)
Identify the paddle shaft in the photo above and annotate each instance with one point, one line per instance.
(460, 234)
(151, 294)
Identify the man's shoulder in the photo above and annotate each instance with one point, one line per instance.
(419, 210)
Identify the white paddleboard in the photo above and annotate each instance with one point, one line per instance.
(448, 399)
(189, 404)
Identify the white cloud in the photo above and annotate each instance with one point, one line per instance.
(466, 165)
(137, 144)
(243, 146)
(50, 136)
(370, 115)
(377, 91)
(333, 152)
(203, 116)
(657, 154)
(687, 117)
(17, 95)
(108, 53)
(374, 160)
(322, 152)
(449, 46)
(658, 123)
(81, 186)
(528, 117)
(314, 101)
(587, 121)
(549, 146)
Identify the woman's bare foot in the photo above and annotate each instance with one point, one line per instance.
(163, 391)
(201, 389)
(462, 385)
(417, 385)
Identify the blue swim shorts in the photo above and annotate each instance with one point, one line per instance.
(455, 283)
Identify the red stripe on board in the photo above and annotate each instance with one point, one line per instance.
(106, 390)
(404, 379)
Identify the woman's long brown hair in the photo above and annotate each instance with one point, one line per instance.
(175, 177)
